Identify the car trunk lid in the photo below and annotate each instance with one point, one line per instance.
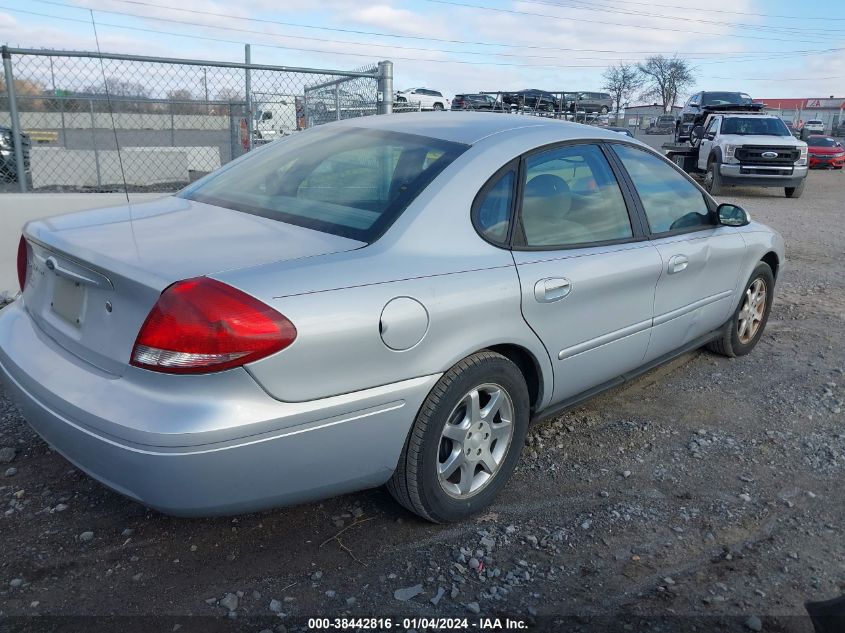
(94, 276)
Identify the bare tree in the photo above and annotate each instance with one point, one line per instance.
(621, 81)
(665, 78)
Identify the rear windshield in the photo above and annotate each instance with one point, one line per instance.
(725, 98)
(352, 182)
(752, 125)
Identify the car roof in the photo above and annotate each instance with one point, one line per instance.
(471, 127)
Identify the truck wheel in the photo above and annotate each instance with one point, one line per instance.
(438, 107)
(795, 192)
(604, 109)
(713, 179)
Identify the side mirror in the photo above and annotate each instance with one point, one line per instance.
(697, 133)
(694, 105)
(732, 215)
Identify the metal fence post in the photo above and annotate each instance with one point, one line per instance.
(385, 87)
(17, 139)
(172, 127)
(336, 102)
(248, 85)
(94, 144)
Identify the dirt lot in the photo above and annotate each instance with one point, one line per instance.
(708, 494)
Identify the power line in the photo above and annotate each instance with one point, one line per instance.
(391, 35)
(314, 50)
(742, 57)
(710, 10)
(606, 23)
(335, 52)
(582, 6)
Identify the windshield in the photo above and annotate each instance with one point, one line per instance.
(725, 98)
(352, 182)
(821, 141)
(754, 125)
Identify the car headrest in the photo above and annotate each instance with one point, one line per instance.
(547, 198)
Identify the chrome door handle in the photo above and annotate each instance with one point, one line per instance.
(678, 263)
(552, 289)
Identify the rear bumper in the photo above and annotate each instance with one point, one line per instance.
(732, 175)
(216, 444)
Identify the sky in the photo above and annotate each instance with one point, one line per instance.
(767, 48)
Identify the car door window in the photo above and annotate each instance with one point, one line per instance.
(492, 207)
(671, 202)
(572, 197)
(711, 127)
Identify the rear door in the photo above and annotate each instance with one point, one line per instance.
(586, 271)
(700, 260)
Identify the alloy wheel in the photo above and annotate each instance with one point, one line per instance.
(753, 309)
(475, 440)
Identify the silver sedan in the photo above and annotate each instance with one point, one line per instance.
(386, 300)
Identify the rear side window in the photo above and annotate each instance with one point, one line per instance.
(571, 197)
(492, 208)
(352, 183)
(671, 202)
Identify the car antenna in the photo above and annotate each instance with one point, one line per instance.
(111, 111)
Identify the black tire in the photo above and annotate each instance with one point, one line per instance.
(415, 483)
(713, 179)
(795, 192)
(603, 110)
(729, 343)
(438, 107)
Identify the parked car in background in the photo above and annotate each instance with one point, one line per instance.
(8, 163)
(664, 124)
(621, 130)
(699, 105)
(825, 152)
(792, 129)
(427, 98)
(839, 130)
(600, 102)
(533, 99)
(350, 308)
(475, 102)
(813, 126)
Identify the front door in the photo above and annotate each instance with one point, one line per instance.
(707, 143)
(586, 272)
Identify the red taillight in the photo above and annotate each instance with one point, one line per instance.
(201, 325)
(23, 262)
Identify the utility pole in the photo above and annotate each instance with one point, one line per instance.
(248, 84)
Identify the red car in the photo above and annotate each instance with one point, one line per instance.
(825, 152)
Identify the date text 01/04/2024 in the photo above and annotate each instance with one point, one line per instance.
(453, 624)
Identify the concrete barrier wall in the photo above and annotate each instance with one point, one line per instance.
(122, 121)
(53, 166)
(16, 209)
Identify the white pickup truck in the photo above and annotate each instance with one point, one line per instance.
(744, 148)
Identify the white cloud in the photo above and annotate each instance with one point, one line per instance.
(438, 67)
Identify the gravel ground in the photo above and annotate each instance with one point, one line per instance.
(708, 493)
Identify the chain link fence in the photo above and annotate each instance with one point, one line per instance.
(64, 114)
